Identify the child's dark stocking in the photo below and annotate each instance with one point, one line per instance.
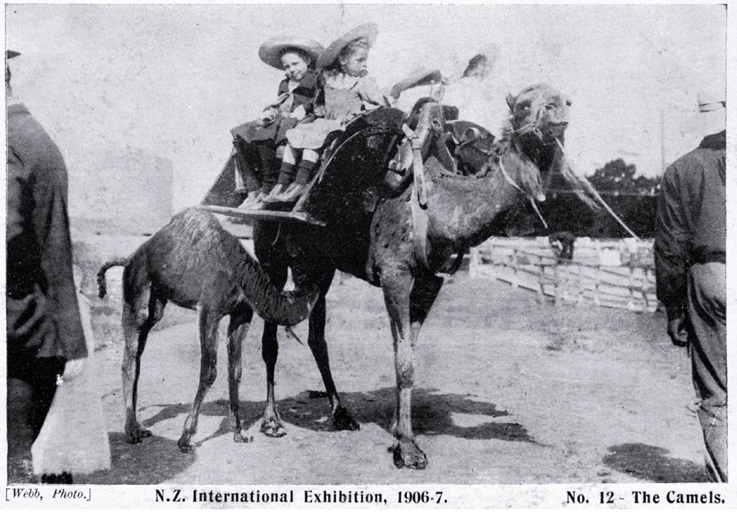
(269, 173)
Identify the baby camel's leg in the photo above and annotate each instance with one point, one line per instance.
(209, 321)
(136, 326)
(237, 330)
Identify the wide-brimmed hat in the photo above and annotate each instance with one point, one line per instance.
(272, 50)
(9, 54)
(417, 78)
(367, 31)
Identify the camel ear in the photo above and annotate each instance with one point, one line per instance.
(470, 135)
(510, 101)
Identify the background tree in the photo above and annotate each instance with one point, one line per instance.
(632, 198)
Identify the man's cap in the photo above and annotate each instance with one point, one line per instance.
(367, 31)
(711, 99)
(272, 50)
(712, 112)
(10, 54)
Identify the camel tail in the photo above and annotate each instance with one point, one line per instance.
(101, 283)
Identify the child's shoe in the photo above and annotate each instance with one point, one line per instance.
(294, 191)
(250, 200)
(273, 196)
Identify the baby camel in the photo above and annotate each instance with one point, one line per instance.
(196, 264)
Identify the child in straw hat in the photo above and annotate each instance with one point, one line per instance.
(259, 140)
(347, 90)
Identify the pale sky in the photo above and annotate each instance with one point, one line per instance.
(173, 79)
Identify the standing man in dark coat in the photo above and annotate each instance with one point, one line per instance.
(45, 341)
(690, 257)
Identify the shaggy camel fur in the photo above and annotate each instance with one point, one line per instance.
(196, 264)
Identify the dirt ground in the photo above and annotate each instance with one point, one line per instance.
(508, 390)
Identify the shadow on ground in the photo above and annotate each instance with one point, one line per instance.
(155, 460)
(432, 414)
(652, 463)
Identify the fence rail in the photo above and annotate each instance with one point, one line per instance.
(609, 273)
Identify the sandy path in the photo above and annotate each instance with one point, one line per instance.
(508, 391)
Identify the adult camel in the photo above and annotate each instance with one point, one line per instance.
(392, 241)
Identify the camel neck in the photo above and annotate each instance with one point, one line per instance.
(462, 209)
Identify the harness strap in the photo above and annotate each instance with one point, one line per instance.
(509, 178)
(418, 200)
(418, 167)
(420, 223)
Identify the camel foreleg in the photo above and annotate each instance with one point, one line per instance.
(397, 289)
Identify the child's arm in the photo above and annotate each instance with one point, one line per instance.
(370, 93)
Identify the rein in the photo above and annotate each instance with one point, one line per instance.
(598, 197)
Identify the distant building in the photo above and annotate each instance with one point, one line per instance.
(126, 190)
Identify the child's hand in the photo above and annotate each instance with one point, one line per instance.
(281, 99)
(269, 117)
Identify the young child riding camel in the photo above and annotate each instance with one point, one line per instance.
(347, 91)
(258, 141)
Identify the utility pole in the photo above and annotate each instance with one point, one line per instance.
(662, 139)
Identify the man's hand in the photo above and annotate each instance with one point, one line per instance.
(677, 331)
(27, 314)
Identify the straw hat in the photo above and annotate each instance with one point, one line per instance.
(712, 110)
(457, 63)
(417, 78)
(367, 31)
(272, 50)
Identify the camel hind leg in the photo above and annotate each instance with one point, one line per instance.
(342, 419)
(208, 323)
(237, 331)
(136, 327)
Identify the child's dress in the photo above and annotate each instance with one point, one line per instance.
(294, 104)
(288, 102)
(345, 97)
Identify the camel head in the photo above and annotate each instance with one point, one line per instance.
(539, 110)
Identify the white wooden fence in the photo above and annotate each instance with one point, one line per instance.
(610, 273)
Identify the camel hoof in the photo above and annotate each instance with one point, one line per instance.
(408, 455)
(185, 446)
(342, 420)
(136, 435)
(273, 429)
